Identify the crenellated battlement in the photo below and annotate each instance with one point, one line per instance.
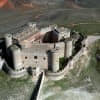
(35, 50)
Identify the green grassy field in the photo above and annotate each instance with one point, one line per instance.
(68, 17)
(90, 3)
(88, 29)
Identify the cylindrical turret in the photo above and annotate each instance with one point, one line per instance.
(8, 40)
(16, 57)
(54, 57)
(68, 48)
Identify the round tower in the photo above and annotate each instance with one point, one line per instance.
(54, 57)
(68, 48)
(16, 57)
(8, 40)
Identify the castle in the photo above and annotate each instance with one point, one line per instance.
(34, 50)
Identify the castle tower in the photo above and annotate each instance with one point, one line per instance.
(68, 48)
(16, 57)
(54, 57)
(8, 40)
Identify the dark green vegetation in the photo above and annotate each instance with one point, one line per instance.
(90, 3)
(62, 63)
(88, 29)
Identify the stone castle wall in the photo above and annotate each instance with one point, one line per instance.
(37, 55)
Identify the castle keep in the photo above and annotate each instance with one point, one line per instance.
(34, 50)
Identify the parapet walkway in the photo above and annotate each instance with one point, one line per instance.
(37, 89)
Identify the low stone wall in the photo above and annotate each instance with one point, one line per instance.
(40, 85)
(14, 73)
(17, 74)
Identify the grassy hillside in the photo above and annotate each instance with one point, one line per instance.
(88, 29)
(86, 21)
(90, 3)
(62, 3)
